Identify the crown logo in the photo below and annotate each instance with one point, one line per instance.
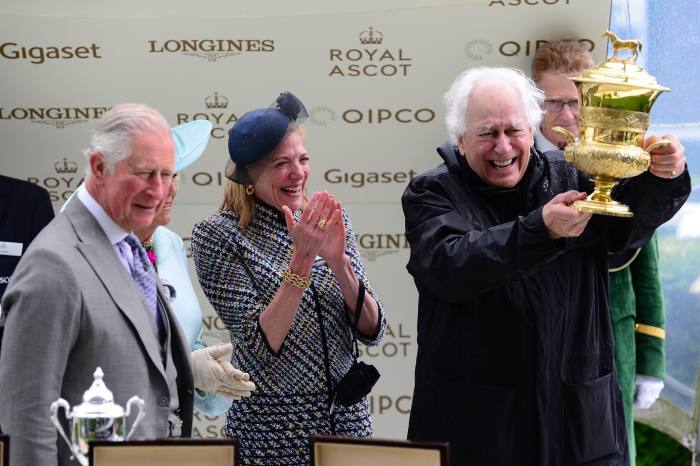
(216, 101)
(370, 36)
(65, 166)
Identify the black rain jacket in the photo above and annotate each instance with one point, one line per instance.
(515, 345)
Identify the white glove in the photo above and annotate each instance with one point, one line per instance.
(213, 372)
(647, 390)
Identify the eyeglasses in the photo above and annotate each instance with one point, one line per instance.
(555, 105)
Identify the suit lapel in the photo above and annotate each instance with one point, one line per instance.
(118, 283)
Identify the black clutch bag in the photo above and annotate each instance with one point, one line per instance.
(356, 383)
(361, 377)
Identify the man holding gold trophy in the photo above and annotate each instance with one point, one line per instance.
(509, 253)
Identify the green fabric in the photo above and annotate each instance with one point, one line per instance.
(636, 297)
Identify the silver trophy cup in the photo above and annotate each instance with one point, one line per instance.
(97, 418)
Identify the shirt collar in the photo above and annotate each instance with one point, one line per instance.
(114, 232)
(543, 144)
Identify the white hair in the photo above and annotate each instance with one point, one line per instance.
(114, 132)
(457, 97)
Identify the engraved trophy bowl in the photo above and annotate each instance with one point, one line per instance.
(97, 418)
(616, 97)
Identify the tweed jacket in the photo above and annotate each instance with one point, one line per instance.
(291, 401)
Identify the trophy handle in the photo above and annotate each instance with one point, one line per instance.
(140, 404)
(564, 132)
(61, 403)
(660, 143)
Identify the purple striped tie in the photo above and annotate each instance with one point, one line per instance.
(143, 274)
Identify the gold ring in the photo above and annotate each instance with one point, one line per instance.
(673, 173)
(321, 223)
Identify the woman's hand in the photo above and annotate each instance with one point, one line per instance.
(333, 247)
(309, 233)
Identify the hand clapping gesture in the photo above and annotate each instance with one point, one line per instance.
(333, 247)
(320, 229)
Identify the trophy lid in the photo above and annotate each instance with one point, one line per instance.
(98, 400)
(620, 72)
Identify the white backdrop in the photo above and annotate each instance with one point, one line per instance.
(371, 80)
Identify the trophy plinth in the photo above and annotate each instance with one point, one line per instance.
(616, 98)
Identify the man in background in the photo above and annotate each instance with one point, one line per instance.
(25, 209)
(552, 66)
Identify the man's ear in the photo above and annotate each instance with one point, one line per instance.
(460, 146)
(97, 166)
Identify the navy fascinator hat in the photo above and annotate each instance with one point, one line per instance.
(256, 134)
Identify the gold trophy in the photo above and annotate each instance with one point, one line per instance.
(616, 98)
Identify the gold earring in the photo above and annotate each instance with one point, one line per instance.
(249, 189)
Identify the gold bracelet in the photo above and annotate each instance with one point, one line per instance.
(293, 279)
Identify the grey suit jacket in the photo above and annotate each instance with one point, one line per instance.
(72, 306)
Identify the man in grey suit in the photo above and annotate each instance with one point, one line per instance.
(82, 297)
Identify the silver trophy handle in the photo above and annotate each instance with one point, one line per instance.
(140, 404)
(61, 403)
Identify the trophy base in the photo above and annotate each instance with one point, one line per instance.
(610, 208)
